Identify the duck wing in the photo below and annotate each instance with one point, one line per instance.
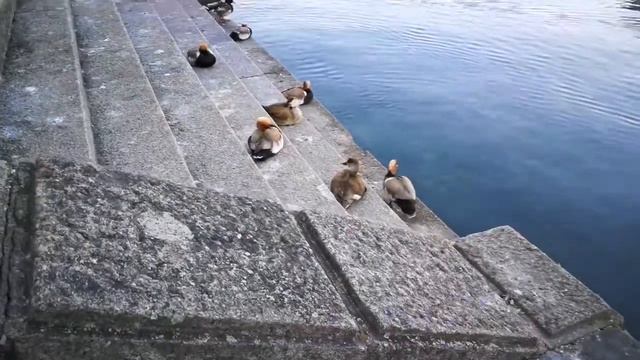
(278, 111)
(274, 136)
(192, 55)
(400, 187)
(294, 93)
(358, 185)
(254, 141)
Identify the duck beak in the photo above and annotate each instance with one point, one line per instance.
(344, 163)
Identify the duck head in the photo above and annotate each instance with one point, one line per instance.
(263, 123)
(352, 164)
(393, 167)
(306, 85)
(203, 47)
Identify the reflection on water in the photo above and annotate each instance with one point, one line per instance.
(502, 112)
(632, 5)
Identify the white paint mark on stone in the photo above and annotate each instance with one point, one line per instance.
(226, 112)
(56, 120)
(163, 226)
(31, 89)
(231, 340)
(10, 132)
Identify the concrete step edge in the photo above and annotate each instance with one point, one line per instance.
(231, 174)
(154, 164)
(44, 105)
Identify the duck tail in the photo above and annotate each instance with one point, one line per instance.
(407, 206)
(262, 155)
(234, 35)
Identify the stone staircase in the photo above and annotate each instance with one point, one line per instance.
(147, 125)
(180, 246)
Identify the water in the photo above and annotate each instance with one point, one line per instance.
(502, 112)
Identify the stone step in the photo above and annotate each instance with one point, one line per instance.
(7, 8)
(319, 153)
(43, 110)
(215, 156)
(607, 344)
(131, 132)
(121, 266)
(425, 221)
(561, 306)
(405, 285)
(289, 175)
(128, 263)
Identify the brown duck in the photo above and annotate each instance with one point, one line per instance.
(348, 185)
(303, 94)
(266, 141)
(285, 114)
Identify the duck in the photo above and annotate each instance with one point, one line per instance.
(286, 113)
(266, 141)
(222, 8)
(399, 189)
(348, 186)
(201, 57)
(241, 33)
(303, 93)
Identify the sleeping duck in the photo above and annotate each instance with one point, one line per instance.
(201, 57)
(400, 190)
(241, 33)
(221, 8)
(303, 93)
(285, 114)
(348, 185)
(266, 141)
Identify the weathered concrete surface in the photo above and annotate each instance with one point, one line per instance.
(7, 8)
(131, 132)
(289, 175)
(5, 193)
(16, 236)
(85, 348)
(425, 221)
(126, 256)
(608, 344)
(563, 307)
(410, 286)
(42, 106)
(215, 156)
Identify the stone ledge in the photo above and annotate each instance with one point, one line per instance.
(110, 348)
(558, 303)
(118, 254)
(608, 344)
(411, 288)
(5, 193)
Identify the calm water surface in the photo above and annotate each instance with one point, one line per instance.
(502, 112)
